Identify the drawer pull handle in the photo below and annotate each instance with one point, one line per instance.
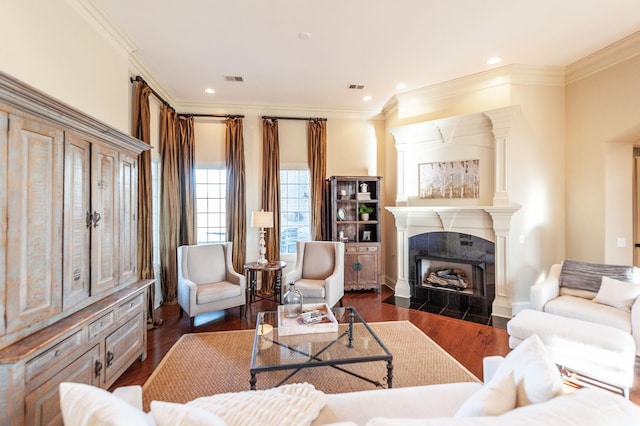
(96, 219)
(131, 304)
(97, 368)
(101, 324)
(89, 219)
(109, 358)
(76, 274)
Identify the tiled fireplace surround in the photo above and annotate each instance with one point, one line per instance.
(485, 136)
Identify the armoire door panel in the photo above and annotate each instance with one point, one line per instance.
(128, 218)
(34, 221)
(77, 223)
(4, 129)
(104, 225)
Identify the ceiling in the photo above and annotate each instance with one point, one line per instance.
(303, 54)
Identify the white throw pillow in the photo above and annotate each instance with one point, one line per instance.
(536, 375)
(172, 414)
(494, 398)
(616, 293)
(86, 405)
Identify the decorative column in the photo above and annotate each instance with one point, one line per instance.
(501, 120)
(501, 225)
(402, 288)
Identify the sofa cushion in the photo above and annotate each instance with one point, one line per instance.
(588, 276)
(587, 310)
(495, 398)
(616, 293)
(208, 293)
(86, 405)
(536, 376)
(173, 414)
(294, 404)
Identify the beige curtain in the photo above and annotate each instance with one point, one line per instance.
(142, 131)
(186, 172)
(236, 193)
(317, 139)
(170, 205)
(271, 191)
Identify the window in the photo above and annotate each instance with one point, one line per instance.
(211, 205)
(294, 209)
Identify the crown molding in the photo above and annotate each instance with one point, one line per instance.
(103, 24)
(620, 51)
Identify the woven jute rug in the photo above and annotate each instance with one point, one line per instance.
(204, 364)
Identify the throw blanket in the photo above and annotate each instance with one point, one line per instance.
(294, 404)
(588, 276)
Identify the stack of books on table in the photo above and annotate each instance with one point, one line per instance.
(316, 318)
(364, 196)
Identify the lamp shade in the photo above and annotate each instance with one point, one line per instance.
(262, 219)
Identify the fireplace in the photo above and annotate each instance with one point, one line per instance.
(483, 136)
(452, 271)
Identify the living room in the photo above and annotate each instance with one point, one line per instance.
(570, 138)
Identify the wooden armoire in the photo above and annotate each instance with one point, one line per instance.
(71, 305)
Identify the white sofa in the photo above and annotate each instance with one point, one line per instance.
(603, 294)
(522, 389)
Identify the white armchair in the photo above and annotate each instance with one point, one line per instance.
(207, 281)
(319, 272)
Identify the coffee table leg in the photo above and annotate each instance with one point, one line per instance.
(351, 316)
(389, 374)
(253, 381)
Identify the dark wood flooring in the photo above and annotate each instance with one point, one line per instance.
(466, 341)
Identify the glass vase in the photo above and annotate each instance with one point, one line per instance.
(292, 301)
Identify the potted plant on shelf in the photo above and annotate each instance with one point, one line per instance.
(364, 211)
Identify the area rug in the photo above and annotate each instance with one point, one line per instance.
(204, 364)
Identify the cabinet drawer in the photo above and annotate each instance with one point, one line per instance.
(131, 305)
(350, 249)
(42, 406)
(368, 249)
(58, 353)
(98, 326)
(124, 345)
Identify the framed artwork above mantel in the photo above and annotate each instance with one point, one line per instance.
(449, 179)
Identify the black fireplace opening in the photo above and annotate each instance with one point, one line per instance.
(452, 274)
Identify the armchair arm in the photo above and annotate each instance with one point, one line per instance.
(635, 323)
(188, 294)
(546, 290)
(334, 283)
(490, 365)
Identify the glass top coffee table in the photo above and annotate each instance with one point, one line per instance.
(354, 342)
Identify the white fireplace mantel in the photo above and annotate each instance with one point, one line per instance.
(485, 134)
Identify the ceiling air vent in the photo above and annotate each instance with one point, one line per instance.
(356, 86)
(233, 78)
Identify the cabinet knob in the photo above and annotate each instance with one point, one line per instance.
(76, 274)
(96, 219)
(109, 358)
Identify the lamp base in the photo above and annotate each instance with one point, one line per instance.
(262, 261)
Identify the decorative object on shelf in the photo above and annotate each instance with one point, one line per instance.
(262, 220)
(364, 211)
(292, 301)
(342, 195)
(366, 235)
(364, 187)
(342, 214)
(449, 179)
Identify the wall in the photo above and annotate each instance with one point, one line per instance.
(50, 46)
(603, 124)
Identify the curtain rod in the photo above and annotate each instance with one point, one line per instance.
(213, 115)
(156, 94)
(266, 117)
(161, 99)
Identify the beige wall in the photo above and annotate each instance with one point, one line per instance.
(49, 45)
(603, 124)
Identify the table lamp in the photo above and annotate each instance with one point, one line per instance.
(262, 220)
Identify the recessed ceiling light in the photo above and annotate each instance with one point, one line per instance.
(367, 98)
(304, 36)
(401, 86)
(209, 90)
(494, 60)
